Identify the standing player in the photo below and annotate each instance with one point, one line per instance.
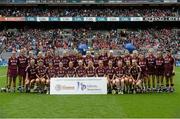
(22, 65)
(48, 58)
(30, 75)
(56, 60)
(40, 58)
(41, 76)
(90, 70)
(110, 76)
(159, 71)
(169, 66)
(96, 60)
(151, 62)
(71, 71)
(135, 71)
(144, 70)
(12, 71)
(135, 56)
(80, 70)
(31, 56)
(111, 57)
(119, 73)
(88, 58)
(60, 71)
(65, 59)
(127, 57)
(103, 57)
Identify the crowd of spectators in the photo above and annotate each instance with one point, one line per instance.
(88, 12)
(44, 39)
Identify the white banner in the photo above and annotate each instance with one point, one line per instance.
(136, 19)
(78, 85)
(42, 18)
(90, 19)
(112, 18)
(66, 19)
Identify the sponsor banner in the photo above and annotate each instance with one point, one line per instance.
(170, 1)
(14, 18)
(42, 18)
(54, 19)
(112, 18)
(90, 19)
(66, 19)
(124, 18)
(78, 85)
(31, 19)
(161, 18)
(136, 19)
(2, 18)
(101, 18)
(78, 18)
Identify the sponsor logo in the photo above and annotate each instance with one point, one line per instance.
(64, 87)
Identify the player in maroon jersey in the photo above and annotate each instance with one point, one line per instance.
(60, 71)
(51, 73)
(71, 71)
(110, 73)
(144, 70)
(65, 59)
(40, 58)
(127, 56)
(80, 70)
(111, 57)
(88, 58)
(31, 56)
(90, 70)
(104, 57)
(169, 66)
(12, 71)
(135, 72)
(41, 74)
(96, 60)
(72, 57)
(119, 77)
(151, 62)
(22, 65)
(48, 58)
(135, 56)
(159, 71)
(100, 70)
(30, 75)
(56, 60)
(118, 58)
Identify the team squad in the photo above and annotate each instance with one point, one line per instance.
(127, 73)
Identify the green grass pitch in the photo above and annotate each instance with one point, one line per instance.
(21, 105)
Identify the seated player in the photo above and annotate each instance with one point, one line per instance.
(144, 70)
(110, 76)
(80, 70)
(51, 72)
(12, 71)
(100, 70)
(169, 66)
(119, 77)
(22, 65)
(30, 75)
(159, 72)
(61, 71)
(135, 71)
(71, 71)
(41, 77)
(90, 70)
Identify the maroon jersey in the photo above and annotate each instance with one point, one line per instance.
(41, 71)
(135, 58)
(31, 58)
(119, 58)
(159, 66)
(71, 71)
(134, 71)
(65, 61)
(110, 72)
(47, 60)
(80, 71)
(40, 60)
(127, 70)
(51, 72)
(87, 59)
(151, 62)
(127, 58)
(119, 72)
(168, 65)
(60, 72)
(96, 60)
(143, 66)
(100, 71)
(12, 66)
(104, 58)
(72, 58)
(22, 64)
(56, 61)
(113, 59)
(91, 72)
(31, 71)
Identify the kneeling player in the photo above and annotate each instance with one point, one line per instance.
(41, 77)
(136, 73)
(119, 72)
(30, 75)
